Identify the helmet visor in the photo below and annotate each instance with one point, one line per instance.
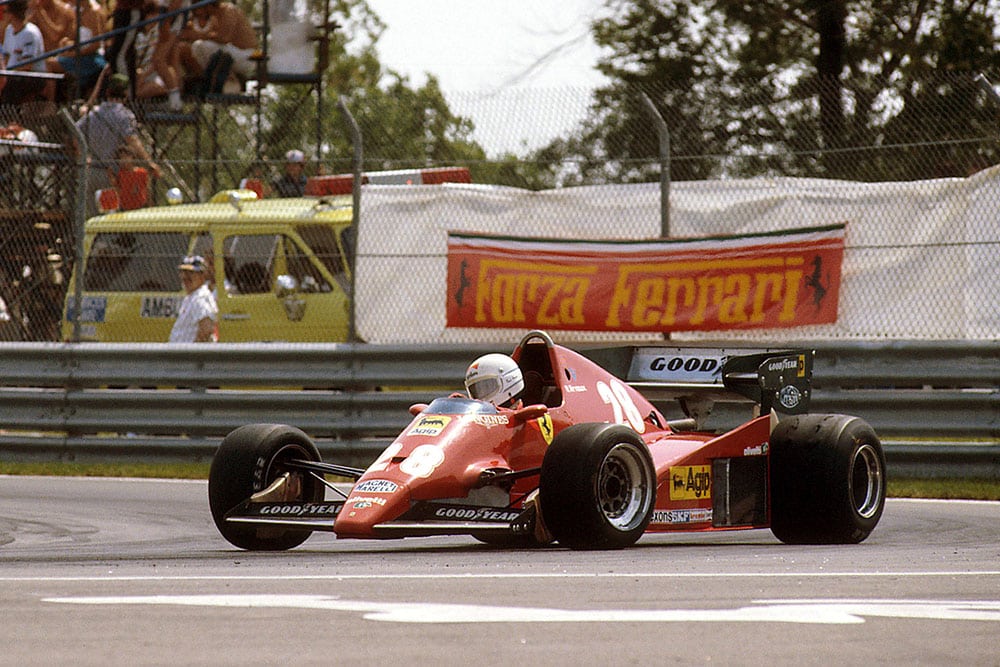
(483, 388)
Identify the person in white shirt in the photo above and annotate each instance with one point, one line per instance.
(198, 314)
(22, 43)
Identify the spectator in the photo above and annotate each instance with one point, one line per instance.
(107, 128)
(256, 181)
(226, 31)
(131, 181)
(198, 315)
(22, 42)
(196, 24)
(88, 66)
(293, 182)
(121, 55)
(167, 56)
(156, 61)
(55, 20)
(16, 132)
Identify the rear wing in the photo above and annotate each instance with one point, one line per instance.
(699, 377)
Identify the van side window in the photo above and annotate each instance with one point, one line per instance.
(250, 262)
(135, 262)
(322, 240)
(203, 247)
(308, 276)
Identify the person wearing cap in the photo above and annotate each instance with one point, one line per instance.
(198, 315)
(106, 128)
(293, 183)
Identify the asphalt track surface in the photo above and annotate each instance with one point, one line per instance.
(98, 571)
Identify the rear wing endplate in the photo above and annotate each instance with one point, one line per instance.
(774, 379)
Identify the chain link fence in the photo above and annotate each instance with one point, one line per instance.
(923, 136)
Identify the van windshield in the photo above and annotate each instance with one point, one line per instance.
(135, 262)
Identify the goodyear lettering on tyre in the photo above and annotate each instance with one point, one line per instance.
(690, 482)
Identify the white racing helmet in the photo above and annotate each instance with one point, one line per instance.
(495, 378)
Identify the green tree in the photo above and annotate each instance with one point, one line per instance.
(669, 51)
(402, 126)
(790, 87)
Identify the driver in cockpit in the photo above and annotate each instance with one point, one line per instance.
(495, 378)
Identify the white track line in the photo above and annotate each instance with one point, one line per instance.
(528, 576)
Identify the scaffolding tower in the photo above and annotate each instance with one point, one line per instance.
(40, 192)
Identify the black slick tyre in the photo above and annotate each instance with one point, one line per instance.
(827, 480)
(597, 487)
(249, 459)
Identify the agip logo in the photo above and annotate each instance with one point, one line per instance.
(690, 482)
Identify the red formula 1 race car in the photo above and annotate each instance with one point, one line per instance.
(582, 458)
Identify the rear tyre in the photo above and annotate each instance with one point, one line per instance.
(597, 487)
(827, 480)
(249, 459)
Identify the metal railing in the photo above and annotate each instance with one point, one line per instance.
(935, 404)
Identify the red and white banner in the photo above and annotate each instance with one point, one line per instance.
(776, 280)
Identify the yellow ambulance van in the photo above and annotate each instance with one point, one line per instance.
(281, 269)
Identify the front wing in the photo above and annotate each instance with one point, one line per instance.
(423, 519)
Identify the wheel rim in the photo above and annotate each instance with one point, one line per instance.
(623, 487)
(276, 466)
(866, 481)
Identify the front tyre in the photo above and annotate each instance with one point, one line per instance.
(827, 480)
(249, 459)
(597, 487)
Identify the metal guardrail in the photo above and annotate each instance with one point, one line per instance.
(156, 401)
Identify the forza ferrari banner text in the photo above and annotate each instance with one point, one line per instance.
(777, 280)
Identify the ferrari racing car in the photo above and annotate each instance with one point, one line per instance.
(574, 455)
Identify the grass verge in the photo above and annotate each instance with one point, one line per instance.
(72, 469)
(971, 489)
(965, 489)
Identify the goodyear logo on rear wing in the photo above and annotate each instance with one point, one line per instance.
(659, 364)
(690, 482)
(429, 425)
(795, 363)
